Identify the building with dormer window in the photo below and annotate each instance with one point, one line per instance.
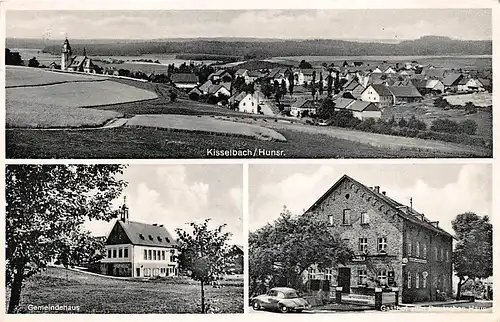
(394, 245)
(136, 249)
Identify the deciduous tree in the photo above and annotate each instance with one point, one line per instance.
(205, 253)
(473, 255)
(283, 250)
(45, 206)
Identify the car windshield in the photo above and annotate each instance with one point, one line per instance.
(291, 295)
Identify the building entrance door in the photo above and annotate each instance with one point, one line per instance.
(344, 279)
(110, 269)
(138, 272)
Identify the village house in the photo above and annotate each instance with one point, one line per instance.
(253, 76)
(241, 73)
(354, 88)
(235, 100)
(394, 245)
(305, 76)
(462, 84)
(236, 266)
(303, 107)
(389, 70)
(219, 90)
(278, 75)
(474, 84)
(249, 104)
(405, 94)
(434, 86)
(451, 81)
(220, 76)
(378, 94)
(361, 110)
(72, 63)
(136, 249)
(186, 81)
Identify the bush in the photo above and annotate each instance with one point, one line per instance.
(212, 99)
(445, 125)
(173, 96)
(194, 96)
(366, 125)
(468, 127)
(344, 118)
(33, 62)
(381, 127)
(414, 123)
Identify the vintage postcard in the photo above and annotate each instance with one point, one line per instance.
(112, 238)
(376, 83)
(349, 238)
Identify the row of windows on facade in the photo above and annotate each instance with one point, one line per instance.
(421, 281)
(157, 271)
(148, 254)
(363, 244)
(118, 253)
(438, 256)
(151, 254)
(382, 245)
(346, 218)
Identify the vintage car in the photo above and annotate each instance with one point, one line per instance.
(283, 299)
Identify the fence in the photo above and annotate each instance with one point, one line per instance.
(378, 298)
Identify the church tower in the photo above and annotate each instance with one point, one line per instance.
(124, 211)
(66, 55)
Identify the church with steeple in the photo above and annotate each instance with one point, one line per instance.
(72, 63)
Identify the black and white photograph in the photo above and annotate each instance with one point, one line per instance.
(112, 238)
(371, 237)
(308, 83)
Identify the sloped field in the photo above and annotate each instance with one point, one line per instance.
(25, 76)
(205, 124)
(59, 102)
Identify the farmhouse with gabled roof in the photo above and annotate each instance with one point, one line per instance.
(135, 249)
(394, 245)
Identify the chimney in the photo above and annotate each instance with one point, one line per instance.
(434, 223)
(124, 214)
(377, 189)
(383, 192)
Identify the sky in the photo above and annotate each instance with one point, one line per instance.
(174, 195)
(388, 24)
(439, 191)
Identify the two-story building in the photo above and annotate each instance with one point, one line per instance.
(135, 249)
(394, 245)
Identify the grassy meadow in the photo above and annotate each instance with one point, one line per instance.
(99, 294)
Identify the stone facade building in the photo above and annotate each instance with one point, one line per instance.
(395, 246)
(135, 249)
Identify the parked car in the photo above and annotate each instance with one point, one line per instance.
(283, 299)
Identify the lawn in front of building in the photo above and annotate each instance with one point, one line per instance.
(96, 294)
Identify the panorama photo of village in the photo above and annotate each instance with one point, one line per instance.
(385, 83)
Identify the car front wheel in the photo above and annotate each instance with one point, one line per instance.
(283, 309)
(256, 305)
